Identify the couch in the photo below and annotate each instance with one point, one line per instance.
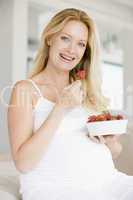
(9, 179)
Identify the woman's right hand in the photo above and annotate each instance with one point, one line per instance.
(71, 95)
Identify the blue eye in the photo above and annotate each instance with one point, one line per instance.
(64, 38)
(82, 44)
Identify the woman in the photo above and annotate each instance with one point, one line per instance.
(50, 143)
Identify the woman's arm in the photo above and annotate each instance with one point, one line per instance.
(27, 148)
(113, 143)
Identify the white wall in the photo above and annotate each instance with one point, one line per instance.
(5, 64)
(13, 46)
(125, 161)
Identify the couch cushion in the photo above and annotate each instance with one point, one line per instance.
(9, 180)
(7, 167)
(6, 195)
(9, 187)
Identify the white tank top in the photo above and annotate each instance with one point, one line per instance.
(71, 158)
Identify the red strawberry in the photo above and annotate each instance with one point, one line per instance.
(119, 117)
(92, 118)
(101, 117)
(104, 117)
(81, 74)
(108, 116)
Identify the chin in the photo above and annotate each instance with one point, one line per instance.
(66, 67)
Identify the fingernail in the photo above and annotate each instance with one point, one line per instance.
(78, 81)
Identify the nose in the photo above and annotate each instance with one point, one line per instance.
(72, 48)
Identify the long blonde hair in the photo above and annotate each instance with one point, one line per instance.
(90, 61)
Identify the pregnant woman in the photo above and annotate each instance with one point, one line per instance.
(47, 115)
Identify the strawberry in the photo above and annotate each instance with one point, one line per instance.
(81, 74)
(92, 118)
(106, 116)
(119, 117)
(101, 117)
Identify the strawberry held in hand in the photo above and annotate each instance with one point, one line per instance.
(81, 74)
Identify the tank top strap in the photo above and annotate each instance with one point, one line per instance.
(36, 87)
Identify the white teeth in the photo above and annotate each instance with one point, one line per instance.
(67, 57)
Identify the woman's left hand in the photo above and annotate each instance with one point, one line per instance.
(112, 142)
(109, 139)
(106, 139)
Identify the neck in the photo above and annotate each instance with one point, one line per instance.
(56, 77)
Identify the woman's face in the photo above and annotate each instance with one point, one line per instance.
(67, 47)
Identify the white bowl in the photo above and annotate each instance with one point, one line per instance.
(111, 127)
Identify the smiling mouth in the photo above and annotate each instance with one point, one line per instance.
(66, 58)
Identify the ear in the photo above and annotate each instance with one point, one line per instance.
(49, 42)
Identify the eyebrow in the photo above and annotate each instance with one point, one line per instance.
(71, 36)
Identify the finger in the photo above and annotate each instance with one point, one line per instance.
(112, 137)
(101, 139)
(67, 87)
(74, 85)
(94, 139)
(81, 93)
(109, 136)
(78, 82)
(70, 85)
(117, 136)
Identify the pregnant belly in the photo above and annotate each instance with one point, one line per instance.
(89, 162)
(89, 156)
(75, 161)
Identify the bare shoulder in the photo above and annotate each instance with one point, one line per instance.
(21, 92)
(22, 84)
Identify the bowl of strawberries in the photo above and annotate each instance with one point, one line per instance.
(107, 123)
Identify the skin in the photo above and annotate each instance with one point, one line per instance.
(70, 42)
(112, 142)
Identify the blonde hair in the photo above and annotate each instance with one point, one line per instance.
(90, 62)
